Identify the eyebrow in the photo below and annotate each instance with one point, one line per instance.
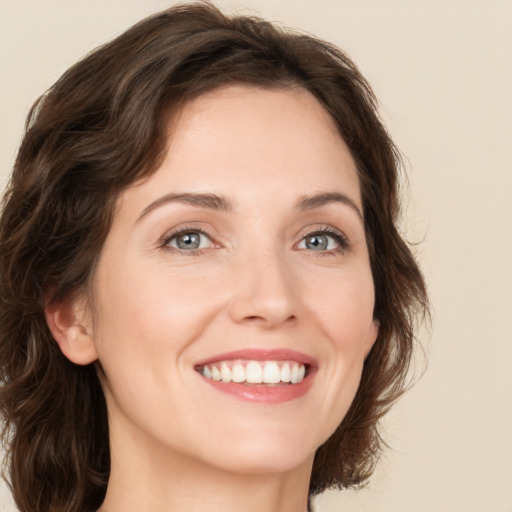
(221, 203)
(319, 200)
(209, 201)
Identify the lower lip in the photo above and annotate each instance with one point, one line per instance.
(264, 394)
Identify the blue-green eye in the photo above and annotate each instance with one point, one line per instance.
(323, 241)
(189, 240)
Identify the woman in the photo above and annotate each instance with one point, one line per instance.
(205, 302)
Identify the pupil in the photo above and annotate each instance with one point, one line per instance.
(188, 241)
(316, 242)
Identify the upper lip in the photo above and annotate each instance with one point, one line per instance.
(258, 354)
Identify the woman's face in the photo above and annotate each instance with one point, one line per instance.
(242, 258)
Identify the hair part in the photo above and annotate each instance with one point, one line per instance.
(102, 127)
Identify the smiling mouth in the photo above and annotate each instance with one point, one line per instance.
(255, 373)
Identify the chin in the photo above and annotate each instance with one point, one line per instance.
(264, 452)
(268, 462)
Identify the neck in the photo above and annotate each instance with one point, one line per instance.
(149, 479)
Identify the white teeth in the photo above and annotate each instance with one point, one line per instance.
(216, 375)
(253, 373)
(285, 373)
(271, 373)
(256, 372)
(238, 373)
(294, 377)
(225, 373)
(302, 372)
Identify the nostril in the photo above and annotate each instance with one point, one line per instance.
(268, 319)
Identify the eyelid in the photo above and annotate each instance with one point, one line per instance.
(320, 229)
(327, 230)
(187, 228)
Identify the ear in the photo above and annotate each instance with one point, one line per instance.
(372, 336)
(69, 323)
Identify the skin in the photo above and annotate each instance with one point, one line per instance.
(253, 283)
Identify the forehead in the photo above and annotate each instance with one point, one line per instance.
(247, 143)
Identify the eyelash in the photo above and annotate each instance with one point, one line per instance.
(167, 239)
(338, 236)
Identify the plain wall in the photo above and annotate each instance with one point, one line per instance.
(442, 70)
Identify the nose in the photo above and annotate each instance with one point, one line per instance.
(264, 291)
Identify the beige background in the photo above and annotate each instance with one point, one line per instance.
(442, 70)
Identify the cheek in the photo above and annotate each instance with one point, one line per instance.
(346, 311)
(155, 311)
(145, 324)
(345, 315)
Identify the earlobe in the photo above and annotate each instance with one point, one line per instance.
(69, 324)
(372, 336)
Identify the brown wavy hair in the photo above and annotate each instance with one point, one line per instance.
(100, 128)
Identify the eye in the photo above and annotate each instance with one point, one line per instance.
(325, 240)
(188, 240)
